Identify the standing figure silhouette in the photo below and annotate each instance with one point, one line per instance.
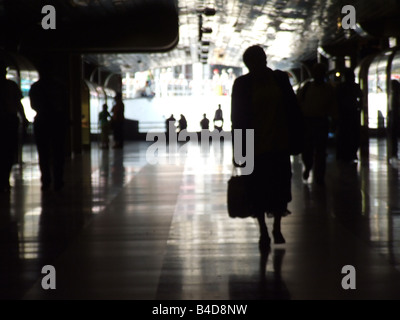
(104, 120)
(258, 102)
(182, 123)
(205, 123)
(317, 100)
(11, 114)
(48, 98)
(118, 119)
(349, 97)
(394, 118)
(218, 119)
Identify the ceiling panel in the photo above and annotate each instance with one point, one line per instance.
(289, 30)
(91, 26)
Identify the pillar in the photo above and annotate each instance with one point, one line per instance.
(75, 76)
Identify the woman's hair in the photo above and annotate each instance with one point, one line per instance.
(254, 56)
(395, 84)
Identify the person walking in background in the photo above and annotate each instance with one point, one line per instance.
(182, 123)
(259, 103)
(104, 121)
(318, 103)
(394, 120)
(117, 121)
(348, 127)
(205, 123)
(48, 97)
(11, 115)
(170, 125)
(218, 119)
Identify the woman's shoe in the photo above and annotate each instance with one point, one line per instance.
(278, 237)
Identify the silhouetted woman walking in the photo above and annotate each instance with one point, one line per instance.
(258, 102)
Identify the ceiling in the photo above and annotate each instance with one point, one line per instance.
(290, 31)
(134, 35)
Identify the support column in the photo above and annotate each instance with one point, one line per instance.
(197, 75)
(75, 101)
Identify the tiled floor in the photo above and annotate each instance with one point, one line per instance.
(125, 227)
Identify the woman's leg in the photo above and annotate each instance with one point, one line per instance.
(265, 240)
(276, 232)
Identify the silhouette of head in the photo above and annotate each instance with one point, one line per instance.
(395, 85)
(118, 96)
(318, 72)
(255, 58)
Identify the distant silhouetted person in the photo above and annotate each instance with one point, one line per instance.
(118, 119)
(182, 123)
(170, 125)
(318, 102)
(394, 120)
(11, 114)
(348, 128)
(218, 119)
(104, 121)
(205, 123)
(258, 102)
(48, 98)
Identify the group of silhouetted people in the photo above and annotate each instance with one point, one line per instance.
(48, 97)
(218, 121)
(260, 101)
(112, 122)
(172, 129)
(170, 124)
(328, 108)
(317, 102)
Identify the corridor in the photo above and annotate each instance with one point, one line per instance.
(126, 229)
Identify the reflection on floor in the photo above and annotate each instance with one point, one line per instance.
(134, 224)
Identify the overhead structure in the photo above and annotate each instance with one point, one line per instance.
(131, 35)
